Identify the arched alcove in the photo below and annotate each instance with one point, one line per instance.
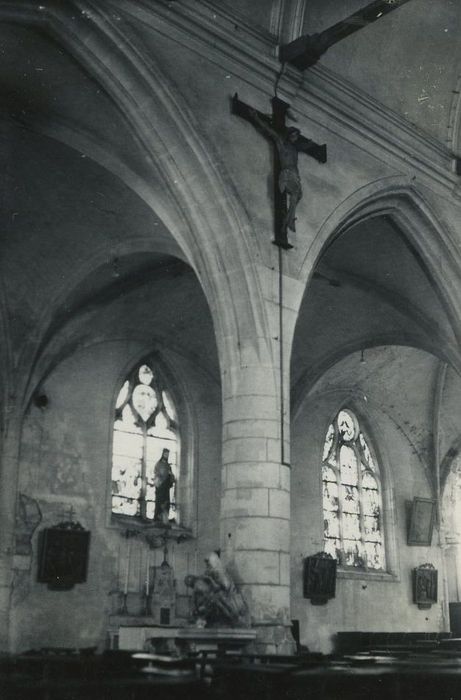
(134, 122)
(451, 524)
(370, 286)
(152, 308)
(373, 332)
(450, 484)
(126, 237)
(95, 282)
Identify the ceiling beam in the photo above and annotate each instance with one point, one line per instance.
(305, 51)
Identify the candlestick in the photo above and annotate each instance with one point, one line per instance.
(141, 567)
(124, 608)
(147, 571)
(119, 566)
(128, 558)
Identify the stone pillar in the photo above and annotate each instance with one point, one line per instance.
(255, 507)
(8, 500)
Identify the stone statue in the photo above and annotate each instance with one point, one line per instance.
(164, 479)
(203, 605)
(216, 600)
(287, 149)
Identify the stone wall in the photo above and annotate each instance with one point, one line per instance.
(65, 463)
(392, 392)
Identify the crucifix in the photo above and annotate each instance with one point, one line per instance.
(68, 514)
(288, 142)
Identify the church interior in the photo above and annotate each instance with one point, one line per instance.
(223, 430)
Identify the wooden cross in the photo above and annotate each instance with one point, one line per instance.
(68, 514)
(288, 142)
(305, 51)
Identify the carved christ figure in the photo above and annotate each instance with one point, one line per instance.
(288, 147)
(287, 142)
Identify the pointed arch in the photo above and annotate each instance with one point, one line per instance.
(407, 339)
(146, 449)
(185, 492)
(352, 494)
(52, 324)
(170, 135)
(395, 198)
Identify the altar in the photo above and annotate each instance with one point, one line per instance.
(138, 634)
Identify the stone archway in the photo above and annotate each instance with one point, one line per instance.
(418, 221)
(356, 301)
(224, 264)
(451, 528)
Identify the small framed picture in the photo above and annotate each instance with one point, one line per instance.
(425, 586)
(319, 580)
(63, 557)
(421, 522)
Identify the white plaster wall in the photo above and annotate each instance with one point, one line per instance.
(66, 461)
(392, 391)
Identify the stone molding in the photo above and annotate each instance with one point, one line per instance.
(95, 38)
(454, 126)
(416, 218)
(319, 94)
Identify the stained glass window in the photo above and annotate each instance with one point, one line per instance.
(145, 452)
(352, 503)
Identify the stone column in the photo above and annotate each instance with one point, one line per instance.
(255, 507)
(8, 500)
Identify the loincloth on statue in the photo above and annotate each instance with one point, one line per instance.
(289, 181)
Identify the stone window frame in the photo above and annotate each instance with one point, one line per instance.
(186, 501)
(367, 420)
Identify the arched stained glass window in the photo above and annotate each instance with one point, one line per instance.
(145, 453)
(352, 502)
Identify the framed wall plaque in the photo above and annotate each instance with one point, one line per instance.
(425, 586)
(421, 522)
(319, 581)
(63, 556)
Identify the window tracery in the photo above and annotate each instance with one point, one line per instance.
(145, 450)
(352, 500)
